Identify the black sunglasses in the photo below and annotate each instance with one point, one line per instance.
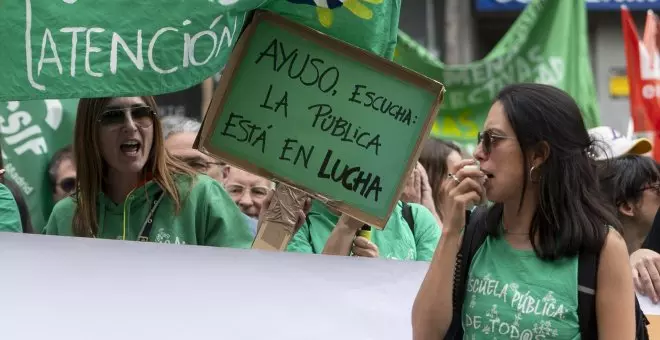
(487, 139)
(142, 116)
(67, 184)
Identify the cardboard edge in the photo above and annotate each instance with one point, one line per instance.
(220, 94)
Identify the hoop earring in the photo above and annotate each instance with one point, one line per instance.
(531, 175)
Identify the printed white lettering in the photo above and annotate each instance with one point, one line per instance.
(136, 57)
(48, 37)
(89, 50)
(74, 44)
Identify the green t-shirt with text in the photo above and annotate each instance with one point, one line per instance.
(207, 217)
(396, 241)
(512, 294)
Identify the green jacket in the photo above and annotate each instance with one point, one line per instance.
(397, 241)
(207, 217)
(10, 218)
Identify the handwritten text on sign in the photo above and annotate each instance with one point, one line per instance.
(322, 120)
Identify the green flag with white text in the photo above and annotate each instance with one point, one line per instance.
(84, 48)
(548, 44)
(32, 131)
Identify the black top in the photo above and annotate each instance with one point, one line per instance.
(652, 240)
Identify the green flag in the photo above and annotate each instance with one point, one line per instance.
(548, 44)
(32, 132)
(74, 49)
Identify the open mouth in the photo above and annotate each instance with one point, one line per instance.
(488, 174)
(130, 147)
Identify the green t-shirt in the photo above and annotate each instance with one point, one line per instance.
(10, 218)
(395, 242)
(512, 294)
(207, 217)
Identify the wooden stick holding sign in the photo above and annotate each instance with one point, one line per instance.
(320, 117)
(278, 224)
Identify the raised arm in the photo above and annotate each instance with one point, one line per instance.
(432, 309)
(615, 304)
(341, 239)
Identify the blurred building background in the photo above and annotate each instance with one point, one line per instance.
(462, 31)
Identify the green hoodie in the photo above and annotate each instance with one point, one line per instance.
(207, 217)
(10, 218)
(395, 242)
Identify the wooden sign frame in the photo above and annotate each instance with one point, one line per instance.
(387, 67)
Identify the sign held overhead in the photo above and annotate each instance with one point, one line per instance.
(320, 115)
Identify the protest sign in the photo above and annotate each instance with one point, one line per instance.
(77, 287)
(326, 117)
(32, 132)
(77, 49)
(535, 49)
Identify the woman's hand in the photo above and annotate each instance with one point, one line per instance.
(428, 200)
(301, 213)
(412, 192)
(465, 189)
(645, 265)
(365, 248)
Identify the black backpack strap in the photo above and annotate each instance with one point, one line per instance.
(474, 235)
(640, 322)
(406, 211)
(587, 285)
(587, 279)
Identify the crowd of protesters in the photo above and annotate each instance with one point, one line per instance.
(515, 220)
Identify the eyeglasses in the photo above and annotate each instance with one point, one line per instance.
(142, 116)
(67, 184)
(199, 164)
(655, 187)
(489, 139)
(237, 190)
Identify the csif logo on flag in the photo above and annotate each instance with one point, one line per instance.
(23, 133)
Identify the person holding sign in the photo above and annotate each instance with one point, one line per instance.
(546, 260)
(411, 233)
(130, 188)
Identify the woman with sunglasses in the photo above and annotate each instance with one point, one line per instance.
(535, 165)
(130, 188)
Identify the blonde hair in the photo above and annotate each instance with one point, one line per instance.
(91, 168)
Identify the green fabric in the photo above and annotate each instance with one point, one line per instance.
(369, 24)
(207, 217)
(395, 242)
(10, 218)
(75, 49)
(512, 294)
(31, 133)
(548, 43)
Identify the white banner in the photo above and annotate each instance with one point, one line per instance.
(80, 289)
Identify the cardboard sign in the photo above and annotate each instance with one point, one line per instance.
(302, 108)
